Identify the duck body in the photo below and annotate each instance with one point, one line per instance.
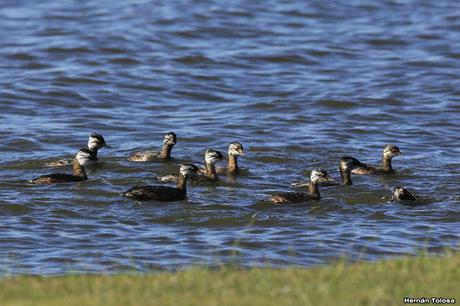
(368, 169)
(58, 178)
(79, 173)
(169, 141)
(389, 151)
(316, 178)
(144, 156)
(294, 197)
(307, 183)
(158, 193)
(164, 193)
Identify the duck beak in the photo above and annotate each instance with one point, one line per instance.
(107, 146)
(241, 152)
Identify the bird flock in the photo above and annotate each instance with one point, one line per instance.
(209, 172)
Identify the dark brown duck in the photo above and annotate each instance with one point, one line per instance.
(235, 149)
(164, 193)
(389, 151)
(79, 173)
(169, 142)
(316, 178)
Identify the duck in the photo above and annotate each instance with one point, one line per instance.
(169, 142)
(389, 152)
(402, 194)
(346, 165)
(78, 175)
(208, 174)
(164, 193)
(316, 178)
(95, 142)
(235, 149)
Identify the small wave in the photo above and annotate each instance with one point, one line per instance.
(387, 42)
(79, 80)
(124, 61)
(194, 59)
(68, 94)
(52, 33)
(203, 96)
(339, 104)
(36, 66)
(71, 50)
(15, 209)
(426, 63)
(112, 50)
(22, 57)
(280, 59)
(263, 106)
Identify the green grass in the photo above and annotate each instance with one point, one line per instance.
(381, 283)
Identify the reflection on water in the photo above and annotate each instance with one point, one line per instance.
(300, 85)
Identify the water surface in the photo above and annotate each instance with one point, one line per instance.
(300, 85)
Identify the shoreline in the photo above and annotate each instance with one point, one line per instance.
(387, 282)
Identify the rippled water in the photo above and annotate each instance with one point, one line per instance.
(300, 85)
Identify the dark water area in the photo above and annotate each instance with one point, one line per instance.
(299, 84)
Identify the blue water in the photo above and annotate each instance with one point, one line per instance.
(298, 84)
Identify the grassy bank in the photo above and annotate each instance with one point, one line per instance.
(382, 283)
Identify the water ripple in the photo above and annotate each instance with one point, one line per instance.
(299, 84)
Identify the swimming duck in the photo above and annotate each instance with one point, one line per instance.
(316, 178)
(209, 173)
(164, 193)
(389, 151)
(346, 165)
(402, 194)
(95, 142)
(206, 174)
(79, 173)
(235, 149)
(169, 141)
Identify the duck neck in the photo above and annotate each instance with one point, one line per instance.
(346, 176)
(386, 162)
(211, 171)
(79, 170)
(182, 184)
(93, 153)
(232, 164)
(313, 190)
(166, 151)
